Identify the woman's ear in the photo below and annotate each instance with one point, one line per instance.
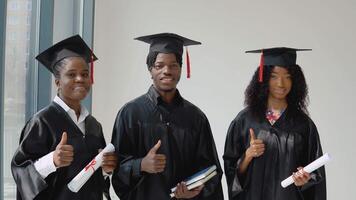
(56, 81)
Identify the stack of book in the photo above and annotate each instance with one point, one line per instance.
(198, 178)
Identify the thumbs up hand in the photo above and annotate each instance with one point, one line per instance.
(63, 155)
(257, 147)
(153, 162)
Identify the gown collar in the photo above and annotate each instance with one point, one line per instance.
(157, 99)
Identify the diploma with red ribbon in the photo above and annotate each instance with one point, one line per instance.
(78, 181)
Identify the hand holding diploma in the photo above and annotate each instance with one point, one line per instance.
(83, 176)
(308, 169)
(109, 162)
(300, 177)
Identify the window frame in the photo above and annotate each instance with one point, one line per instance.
(38, 83)
(36, 97)
(87, 30)
(2, 71)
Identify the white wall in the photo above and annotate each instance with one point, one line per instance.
(221, 70)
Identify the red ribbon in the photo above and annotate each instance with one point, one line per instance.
(262, 62)
(188, 62)
(92, 68)
(91, 165)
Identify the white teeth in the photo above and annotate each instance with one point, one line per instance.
(280, 92)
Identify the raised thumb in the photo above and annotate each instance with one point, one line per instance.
(252, 135)
(64, 138)
(156, 147)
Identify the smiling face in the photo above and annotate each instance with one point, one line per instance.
(74, 81)
(280, 84)
(165, 73)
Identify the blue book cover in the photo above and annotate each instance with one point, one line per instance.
(198, 176)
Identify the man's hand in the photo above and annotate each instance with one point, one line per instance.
(153, 162)
(182, 191)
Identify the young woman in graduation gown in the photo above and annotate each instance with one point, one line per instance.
(61, 139)
(273, 137)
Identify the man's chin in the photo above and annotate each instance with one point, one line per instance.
(167, 89)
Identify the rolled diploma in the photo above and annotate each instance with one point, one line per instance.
(79, 180)
(309, 168)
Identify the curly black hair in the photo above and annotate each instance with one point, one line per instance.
(256, 93)
(151, 59)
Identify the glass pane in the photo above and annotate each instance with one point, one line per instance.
(18, 24)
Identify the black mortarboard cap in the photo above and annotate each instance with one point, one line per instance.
(277, 56)
(167, 42)
(73, 46)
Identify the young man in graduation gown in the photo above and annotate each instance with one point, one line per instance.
(163, 138)
(273, 137)
(61, 139)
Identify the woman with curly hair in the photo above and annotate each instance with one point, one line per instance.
(273, 137)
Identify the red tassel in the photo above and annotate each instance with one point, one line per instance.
(262, 62)
(92, 68)
(188, 62)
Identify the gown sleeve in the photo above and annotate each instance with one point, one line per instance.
(316, 187)
(233, 155)
(34, 144)
(104, 177)
(207, 155)
(128, 175)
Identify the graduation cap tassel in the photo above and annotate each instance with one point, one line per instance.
(260, 72)
(92, 68)
(188, 62)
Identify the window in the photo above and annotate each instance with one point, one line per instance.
(13, 5)
(16, 59)
(29, 20)
(29, 5)
(11, 36)
(13, 20)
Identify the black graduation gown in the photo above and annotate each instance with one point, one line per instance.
(290, 143)
(40, 136)
(186, 139)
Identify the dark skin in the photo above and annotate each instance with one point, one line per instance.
(280, 84)
(165, 74)
(256, 149)
(153, 163)
(73, 85)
